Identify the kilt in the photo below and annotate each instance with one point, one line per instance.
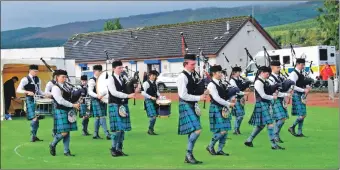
(61, 123)
(188, 120)
(217, 122)
(151, 109)
(298, 108)
(98, 108)
(238, 109)
(279, 112)
(118, 123)
(82, 110)
(30, 107)
(261, 115)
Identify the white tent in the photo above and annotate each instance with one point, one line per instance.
(15, 62)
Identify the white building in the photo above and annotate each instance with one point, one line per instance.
(160, 47)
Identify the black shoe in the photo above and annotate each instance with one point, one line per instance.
(37, 139)
(277, 147)
(189, 159)
(97, 137)
(87, 133)
(69, 154)
(121, 153)
(235, 133)
(250, 144)
(292, 131)
(211, 150)
(108, 138)
(114, 152)
(300, 135)
(198, 162)
(151, 132)
(278, 140)
(238, 131)
(222, 153)
(52, 150)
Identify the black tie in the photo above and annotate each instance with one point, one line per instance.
(121, 80)
(220, 83)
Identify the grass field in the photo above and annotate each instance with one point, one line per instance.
(167, 150)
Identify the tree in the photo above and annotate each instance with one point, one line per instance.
(329, 22)
(112, 25)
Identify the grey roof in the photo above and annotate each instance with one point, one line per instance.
(156, 41)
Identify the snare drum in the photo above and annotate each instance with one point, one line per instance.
(164, 108)
(43, 106)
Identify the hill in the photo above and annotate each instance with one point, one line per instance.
(57, 35)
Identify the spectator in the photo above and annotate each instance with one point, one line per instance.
(326, 73)
(9, 94)
(145, 77)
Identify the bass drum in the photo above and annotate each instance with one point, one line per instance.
(101, 85)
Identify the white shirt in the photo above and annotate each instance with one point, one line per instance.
(273, 82)
(214, 93)
(259, 87)
(112, 88)
(294, 77)
(182, 82)
(91, 86)
(48, 88)
(233, 82)
(24, 82)
(146, 85)
(56, 93)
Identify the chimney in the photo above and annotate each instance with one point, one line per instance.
(228, 26)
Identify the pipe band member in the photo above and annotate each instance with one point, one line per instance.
(280, 113)
(261, 114)
(238, 110)
(118, 102)
(189, 122)
(48, 92)
(62, 98)
(151, 94)
(98, 108)
(219, 124)
(298, 108)
(83, 111)
(30, 85)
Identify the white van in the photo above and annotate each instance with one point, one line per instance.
(320, 55)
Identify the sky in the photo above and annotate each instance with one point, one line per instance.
(21, 14)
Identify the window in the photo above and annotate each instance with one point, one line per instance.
(275, 57)
(88, 42)
(323, 54)
(75, 43)
(286, 59)
(252, 68)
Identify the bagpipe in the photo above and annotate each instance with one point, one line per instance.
(132, 83)
(76, 94)
(75, 91)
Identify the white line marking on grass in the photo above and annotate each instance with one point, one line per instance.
(16, 151)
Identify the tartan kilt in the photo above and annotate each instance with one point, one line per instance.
(30, 108)
(82, 110)
(298, 108)
(118, 123)
(98, 108)
(217, 122)
(238, 109)
(150, 107)
(279, 112)
(188, 120)
(261, 115)
(61, 123)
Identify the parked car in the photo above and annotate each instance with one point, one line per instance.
(167, 81)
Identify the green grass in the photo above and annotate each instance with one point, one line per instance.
(167, 150)
(304, 24)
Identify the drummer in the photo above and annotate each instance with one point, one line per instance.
(30, 86)
(62, 97)
(151, 94)
(83, 111)
(98, 108)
